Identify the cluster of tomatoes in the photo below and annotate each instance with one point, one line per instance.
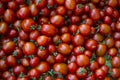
(59, 39)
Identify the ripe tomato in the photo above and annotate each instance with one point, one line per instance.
(3, 28)
(61, 68)
(64, 49)
(84, 59)
(81, 72)
(100, 74)
(29, 48)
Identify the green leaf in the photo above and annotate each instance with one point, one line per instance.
(0, 5)
(38, 1)
(58, 42)
(33, 27)
(15, 53)
(55, 53)
(40, 78)
(80, 5)
(39, 27)
(108, 63)
(42, 48)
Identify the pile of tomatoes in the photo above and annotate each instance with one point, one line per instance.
(59, 39)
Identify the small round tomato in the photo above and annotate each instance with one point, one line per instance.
(64, 48)
(81, 72)
(66, 38)
(6, 74)
(91, 44)
(33, 10)
(48, 78)
(116, 62)
(78, 40)
(40, 3)
(109, 42)
(115, 72)
(23, 13)
(25, 62)
(72, 77)
(33, 73)
(34, 61)
(94, 66)
(3, 65)
(51, 59)
(9, 16)
(57, 20)
(101, 50)
(84, 59)
(70, 4)
(42, 40)
(12, 78)
(101, 61)
(61, 68)
(95, 14)
(8, 47)
(48, 30)
(43, 67)
(100, 74)
(34, 34)
(61, 10)
(29, 48)
(11, 61)
(23, 35)
(78, 50)
(12, 5)
(85, 29)
(42, 53)
(98, 37)
(3, 28)
(112, 52)
(72, 67)
(59, 58)
(28, 25)
(105, 69)
(105, 29)
(18, 69)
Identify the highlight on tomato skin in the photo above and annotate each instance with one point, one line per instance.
(60, 39)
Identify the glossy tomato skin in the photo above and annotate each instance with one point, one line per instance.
(72, 67)
(18, 69)
(84, 59)
(64, 48)
(40, 4)
(29, 48)
(101, 50)
(72, 76)
(100, 74)
(91, 44)
(9, 16)
(3, 28)
(11, 61)
(81, 72)
(70, 4)
(34, 61)
(3, 65)
(61, 68)
(23, 13)
(6, 74)
(33, 73)
(43, 67)
(48, 30)
(85, 29)
(8, 47)
(116, 62)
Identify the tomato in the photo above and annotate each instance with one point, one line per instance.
(40, 4)
(33, 73)
(3, 28)
(23, 35)
(48, 78)
(115, 72)
(59, 58)
(25, 62)
(8, 47)
(112, 3)
(70, 4)
(3, 65)
(116, 62)
(84, 59)
(101, 61)
(34, 34)
(91, 44)
(28, 25)
(105, 29)
(72, 76)
(23, 13)
(43, 67)
(48, 30)
(81, 72)
(101, 50)
(118, 27)
(85, 29)
(105, 69)
(78, 50)
(64, 48)
(11, 78)
(18, 69)
(51, 59)
(11, 61)
(72, 67)
(57, 20)
(9, 16)
(100, 74)
(79, 9)
(78, 40)
(42, 53)
(22, 78)
(6, 74)
(94, 66)
(95, 14)
(112, 52)
(34, 61)
(61, 68)
(29, 48)
(61, 10)
(12, 5)
(33, 10)
(66, 38)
